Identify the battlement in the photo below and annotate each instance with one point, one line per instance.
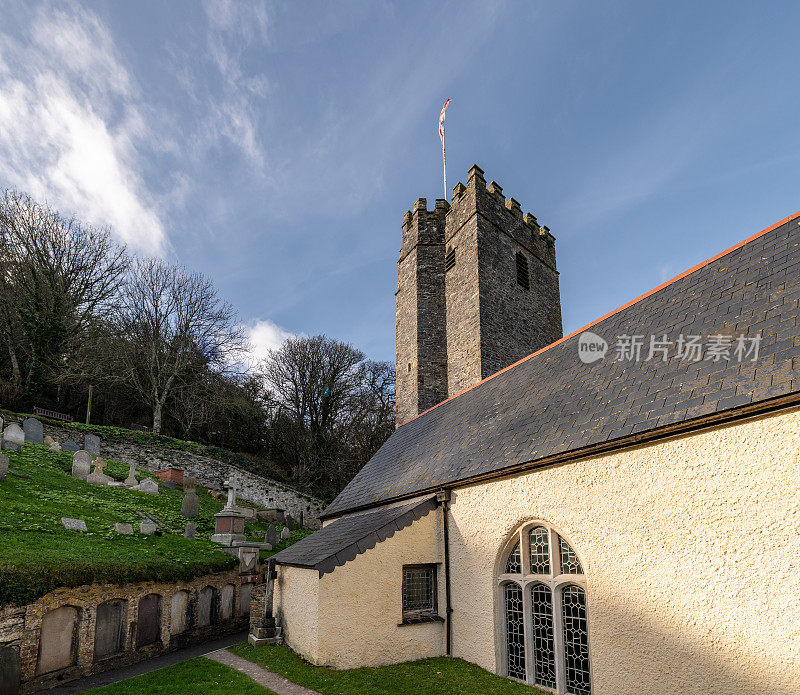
(421, 225)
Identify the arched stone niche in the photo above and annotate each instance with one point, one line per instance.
(58, 641)
(110, 628)
(179, 612)
(207, 606)
(226, 602)
(148, 626)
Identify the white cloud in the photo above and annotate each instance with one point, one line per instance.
(71, 124)
(264, 335)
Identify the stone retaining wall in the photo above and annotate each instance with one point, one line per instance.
(75, 632)
(209, 472)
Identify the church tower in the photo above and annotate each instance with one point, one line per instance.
(477, 291)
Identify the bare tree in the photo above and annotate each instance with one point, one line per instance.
(172, 319)
(58, 276)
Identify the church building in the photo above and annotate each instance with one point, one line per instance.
(614, 512)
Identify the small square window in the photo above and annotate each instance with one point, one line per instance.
(419, 592)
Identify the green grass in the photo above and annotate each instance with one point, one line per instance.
(194, 677)
(440, 676)
(39, 555)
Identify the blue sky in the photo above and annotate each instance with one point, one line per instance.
(275, 147)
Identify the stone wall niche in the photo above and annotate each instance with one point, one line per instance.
(110, 628)
(244, 599)
(207, 607)
(148, 627)
(226, 602)
(179, 607)
(58, 643)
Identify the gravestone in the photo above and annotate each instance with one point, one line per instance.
(226, 597)
(207, 607)
(300, 520)
(48, 440)
(131, 481)
(191, 503)
(271, 536)
(81, 464)
(91, 442)
(9, 670)
(285, 533)
(34, 432)
(290, 522)
(3, 467)
(57, 647)
(13, 437)
(73, 524)
(244, 599)
(190, 531)
(97, 477)
(69, 445)
(124, 529)
(148, 485)
(148, 626)
(110, 628)
(52, 444)
(179, 612)
(147, 528)
(248, 560)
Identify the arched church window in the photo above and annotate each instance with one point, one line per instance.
(545, 638)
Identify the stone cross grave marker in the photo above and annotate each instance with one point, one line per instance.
(97, 477)
(13, 437)
(131, 481)
(3, 467)
(73, 524)
(91, 442)
(81, 464)
(34, 432)
(231, 485)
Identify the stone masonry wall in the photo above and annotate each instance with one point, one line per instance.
(24, 655)
(209, 473)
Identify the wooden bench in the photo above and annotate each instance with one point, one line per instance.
(52, 414)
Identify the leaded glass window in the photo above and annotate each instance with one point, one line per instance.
(570, 564)
(419, 591)
(540, 550)
(544, 653)
(515, 632)
(576, 640)
(514, 564)
(544, 611)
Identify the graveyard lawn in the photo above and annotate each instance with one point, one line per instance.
(439, 676)
(198, 675)
(38, 554)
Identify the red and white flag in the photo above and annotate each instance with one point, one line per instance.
(441, 120)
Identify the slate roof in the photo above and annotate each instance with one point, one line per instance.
(341, 540)
(550, 404)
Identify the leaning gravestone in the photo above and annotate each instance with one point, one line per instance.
(34, 432)
(271, 536)
(52, 444)
(191, 504)
(285, 533)
(81, 464)
(97, 477)
(124, 529)
(148, 485)
(91, 442)
(69, 445)
(190, 531)
(73, 524)
(147, 528)
(3, 467)
(13, 437)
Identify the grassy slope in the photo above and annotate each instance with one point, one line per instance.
(194, 677)
(440, 676)
(38, 555)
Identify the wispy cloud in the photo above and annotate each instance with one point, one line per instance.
(71, 124)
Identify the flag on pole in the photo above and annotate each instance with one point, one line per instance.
(441, 119)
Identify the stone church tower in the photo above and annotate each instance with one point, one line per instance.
(477, 291)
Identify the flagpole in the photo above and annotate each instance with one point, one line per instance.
(444, 165)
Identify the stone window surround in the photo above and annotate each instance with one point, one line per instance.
(555, 581)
